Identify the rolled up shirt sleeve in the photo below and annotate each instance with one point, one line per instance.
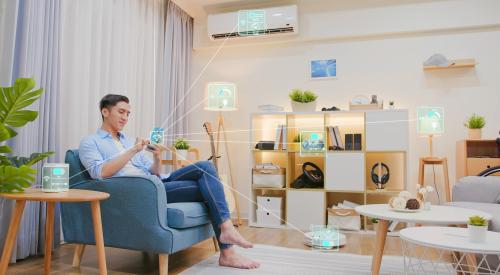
(91, 158)
(146, 161)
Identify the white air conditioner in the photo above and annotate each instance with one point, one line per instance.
(251, 23)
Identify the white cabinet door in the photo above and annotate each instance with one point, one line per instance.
(345, 171)
(305, 208)
(387, 130)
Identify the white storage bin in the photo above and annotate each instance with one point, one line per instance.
(344, 219)
(265, 217)
(273, 178)
(270, 203)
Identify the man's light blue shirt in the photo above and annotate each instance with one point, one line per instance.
(97, 149)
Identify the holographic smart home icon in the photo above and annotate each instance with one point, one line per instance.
(55, 177)
(157, 136)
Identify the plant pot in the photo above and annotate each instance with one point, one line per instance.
(182, 154)
(303, 107)
(475, 133)
(477, 234)
(295, 147)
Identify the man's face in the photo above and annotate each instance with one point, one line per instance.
(117, 116)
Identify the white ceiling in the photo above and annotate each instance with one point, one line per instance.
(198, 9)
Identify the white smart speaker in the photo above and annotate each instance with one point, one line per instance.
(55, 177)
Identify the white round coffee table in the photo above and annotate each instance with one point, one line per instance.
(419, 241)
(437, 215)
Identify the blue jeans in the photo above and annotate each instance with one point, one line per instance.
(199, 182)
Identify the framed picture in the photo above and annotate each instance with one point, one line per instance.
(322, 69)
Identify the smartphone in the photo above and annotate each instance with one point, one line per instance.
(151, 147)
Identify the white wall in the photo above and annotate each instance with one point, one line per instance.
(370, 62)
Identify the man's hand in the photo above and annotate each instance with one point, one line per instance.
(139, 145)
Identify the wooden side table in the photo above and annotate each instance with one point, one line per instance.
(72, 195)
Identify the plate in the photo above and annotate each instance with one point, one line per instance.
(406, 210)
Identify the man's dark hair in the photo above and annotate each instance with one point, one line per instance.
(111, 100)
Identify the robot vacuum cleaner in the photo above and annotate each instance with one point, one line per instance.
(325, 244)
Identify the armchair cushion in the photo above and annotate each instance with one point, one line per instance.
(187, 214)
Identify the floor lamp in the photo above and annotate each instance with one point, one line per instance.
(431, 123)
(221, 97)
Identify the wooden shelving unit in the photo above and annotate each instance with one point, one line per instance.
(458, 63)
(476, 155)
(347, 173)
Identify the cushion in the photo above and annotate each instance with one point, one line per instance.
(187, 214)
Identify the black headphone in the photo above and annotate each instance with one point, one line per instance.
(312, 178)
(384, 178)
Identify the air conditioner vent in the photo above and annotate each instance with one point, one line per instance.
(253, 33)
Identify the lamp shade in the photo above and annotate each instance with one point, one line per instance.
(430, 121)
(221, 96)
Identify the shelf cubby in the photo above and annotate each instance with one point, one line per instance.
(348, 123)
(264, 127)
(396, 161)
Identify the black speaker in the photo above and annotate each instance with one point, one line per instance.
(349, 142)
(357, 142)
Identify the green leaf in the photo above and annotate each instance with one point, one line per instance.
(4, 133)
(20, 118)
(5, 161)
(16, 178)
(14, 99)
(33, 158)
(5, 149)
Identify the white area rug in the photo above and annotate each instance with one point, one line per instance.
(278, 260)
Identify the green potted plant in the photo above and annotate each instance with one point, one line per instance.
(16, 173)
(303, 101)
(475, 124)
(374, 224)
(181, 145)
(478, 226)
(296, 143)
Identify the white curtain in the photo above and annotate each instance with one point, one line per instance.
(173, 82)
(29, 47)
(109, 47)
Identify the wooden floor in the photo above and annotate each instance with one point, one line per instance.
(120, 261)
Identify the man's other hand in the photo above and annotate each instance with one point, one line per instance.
(156, 150)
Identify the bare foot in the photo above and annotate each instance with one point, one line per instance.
(230, 235)
(229, 258)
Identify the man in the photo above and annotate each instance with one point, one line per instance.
(109, 153)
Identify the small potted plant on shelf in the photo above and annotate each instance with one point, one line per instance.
(478, 226)
(296, 143)
(475, 123)
(374, 224)
(181, 145)
(303, 101)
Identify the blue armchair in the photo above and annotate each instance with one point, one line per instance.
(136, 216)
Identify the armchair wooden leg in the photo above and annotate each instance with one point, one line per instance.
(216, 244)
(77, 257)
(163, 260)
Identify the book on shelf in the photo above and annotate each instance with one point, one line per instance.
(283, 137)
(338, 137)
(280, 140)
(277, 140)
(334, 138)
